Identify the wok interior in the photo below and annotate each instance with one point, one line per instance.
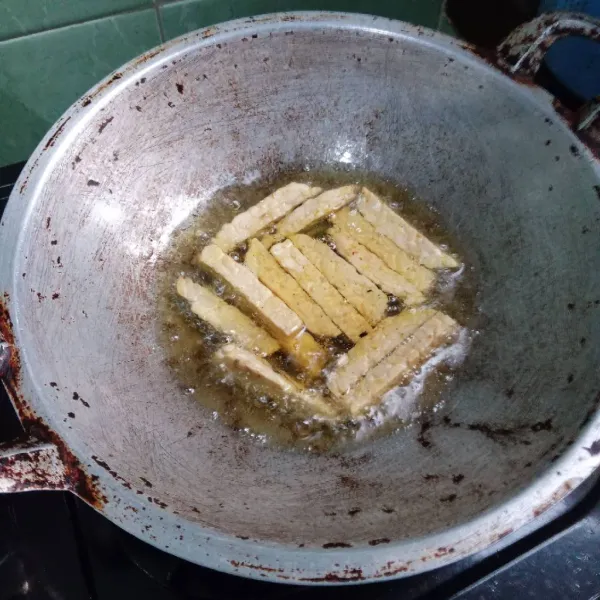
(464, 138)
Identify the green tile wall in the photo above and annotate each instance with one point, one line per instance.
(53, 51)
(187, 15)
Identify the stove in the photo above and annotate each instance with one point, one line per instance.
(55, 547)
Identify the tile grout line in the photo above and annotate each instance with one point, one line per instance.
(161, 29)
(76, 22)
(442, 15)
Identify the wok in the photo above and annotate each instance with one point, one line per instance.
(100, 199)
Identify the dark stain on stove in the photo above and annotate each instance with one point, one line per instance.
(379, 541)
(597, 190)
(194, 509)
(582, 341)
(54, 242)
(457, 478)
(93, 183)
(53, 384)
(547, 142)
(242, 537)
(138, 108)
(594, 449)
(571, 306)
(179, 87)
(430, 477)
(570, 378)
(528, 464)
(71, 415)
(329, 545)
(330, 514)
(585, 230)
(40, 297)
(388, 510)
(510, 392)
(146, 482)
(449, 498)
(574, 150)
(76, 396)
(354, 511)
(55, 295)
(48, 220)
(58, 261)
(105, 124)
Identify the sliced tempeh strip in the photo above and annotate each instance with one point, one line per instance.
(226, 318)
(368, 300)
(374, 268)
(356, 226)
(306, 352)
(263, 214)
(260, 261)
(250, 370)
(311, 211)
(404, 235)
(394, 369)
(373, 348)
(320, 290)
(280, 320)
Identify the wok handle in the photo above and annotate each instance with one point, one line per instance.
(27, 464)
(522, 52)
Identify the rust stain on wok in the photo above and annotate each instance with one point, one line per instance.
(74, 478)
(56, 134)
(559, 494)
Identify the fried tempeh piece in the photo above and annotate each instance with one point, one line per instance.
(368, 300)
(373, 348)
(306, 352)
(280, 320)
(260, 261)
(250, 370)
(226, 318)
(320, 290)
(356, 226)
(374, 268)
(405, 236)
(311, 211)
(397, 366)
(263, 214)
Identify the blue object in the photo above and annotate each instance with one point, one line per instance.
(575, 61)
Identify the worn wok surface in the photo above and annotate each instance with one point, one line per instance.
(95, 210)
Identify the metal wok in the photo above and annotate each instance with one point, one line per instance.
(95, 208)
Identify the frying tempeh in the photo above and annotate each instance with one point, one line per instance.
(263, 214)
(373, 348)
(311, 211)
(280, 320)
(394, 369)
(357, 289)
(356, 226)
(260, 261)
(306, 352)
(320, 290)
(374, 268)
(226, 318)
(405, 236)
(250, 370)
